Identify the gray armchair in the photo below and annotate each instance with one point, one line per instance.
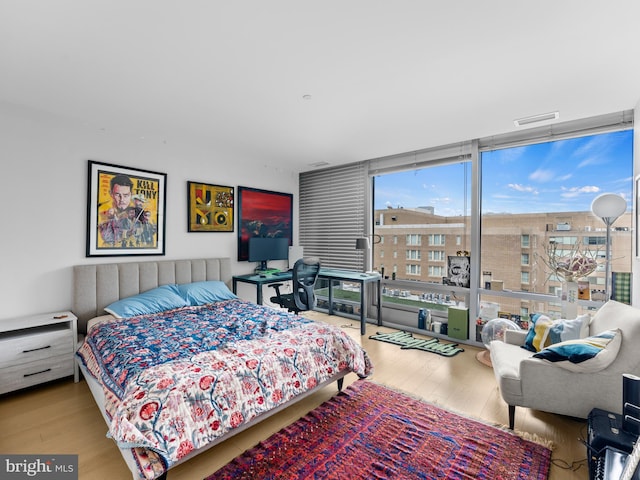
(530, 382)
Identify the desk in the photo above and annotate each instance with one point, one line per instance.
(259, 281)
(330, 274)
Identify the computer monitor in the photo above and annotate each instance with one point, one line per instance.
(263, 249)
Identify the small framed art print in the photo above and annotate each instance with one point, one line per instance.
(210, 207)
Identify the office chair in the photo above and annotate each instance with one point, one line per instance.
(305, 273)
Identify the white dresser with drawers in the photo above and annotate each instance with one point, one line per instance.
(37, 348)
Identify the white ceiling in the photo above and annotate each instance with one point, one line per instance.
(385, 77)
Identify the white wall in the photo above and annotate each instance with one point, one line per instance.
(43, 193)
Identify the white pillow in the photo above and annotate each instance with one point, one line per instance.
(586, 355)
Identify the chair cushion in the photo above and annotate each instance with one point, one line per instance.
(544, 332)
(616, 315)
(506, 360)
(590, 354)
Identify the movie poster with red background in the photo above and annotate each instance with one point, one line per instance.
(263, 213)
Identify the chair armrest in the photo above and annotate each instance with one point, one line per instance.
(515, 337)
(275, 285)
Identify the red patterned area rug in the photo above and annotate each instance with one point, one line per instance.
(369, 431)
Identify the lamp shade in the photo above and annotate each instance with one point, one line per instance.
(362, 243)
(608, 206)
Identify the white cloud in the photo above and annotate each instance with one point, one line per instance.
(576, 191)
(591, 160)
(542, 175)
(522, 188)
(441, 200)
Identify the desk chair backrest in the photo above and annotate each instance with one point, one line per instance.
(304, 276)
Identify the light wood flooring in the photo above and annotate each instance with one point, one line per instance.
(62, 418)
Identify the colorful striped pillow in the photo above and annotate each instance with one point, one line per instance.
(544, 332)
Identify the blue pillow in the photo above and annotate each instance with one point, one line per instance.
(155, 300)
(200, 293)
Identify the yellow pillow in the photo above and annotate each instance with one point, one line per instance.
(544, 332)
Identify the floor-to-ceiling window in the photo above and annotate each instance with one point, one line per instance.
(536, 209)
(421, 220)
(499, 203)
(534, 200)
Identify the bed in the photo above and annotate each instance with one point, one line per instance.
(177, 363)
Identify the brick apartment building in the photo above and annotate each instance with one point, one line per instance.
(415, 244)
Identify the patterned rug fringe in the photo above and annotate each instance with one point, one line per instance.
(535, 438)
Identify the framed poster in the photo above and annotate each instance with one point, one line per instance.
(262, 213)
(125, 211)
(458, 271)
(210, 207)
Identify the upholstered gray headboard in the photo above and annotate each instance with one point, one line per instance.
(96, 286)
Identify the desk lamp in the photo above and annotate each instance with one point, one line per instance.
(608, 207)
(363, 244)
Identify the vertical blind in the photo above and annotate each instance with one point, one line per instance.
(333, 210)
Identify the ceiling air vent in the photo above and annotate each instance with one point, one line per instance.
(536, 118)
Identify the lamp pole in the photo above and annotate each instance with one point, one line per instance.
(607, 260)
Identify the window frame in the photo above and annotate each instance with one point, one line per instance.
(470, 150)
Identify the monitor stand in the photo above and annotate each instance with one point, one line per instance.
(263, 270)
(262, 267)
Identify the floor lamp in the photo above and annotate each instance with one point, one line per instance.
(608, 207)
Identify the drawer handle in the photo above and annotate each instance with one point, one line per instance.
(36, 349)
(36, 373)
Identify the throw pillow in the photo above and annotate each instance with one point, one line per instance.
(586, 355)
(544, 332)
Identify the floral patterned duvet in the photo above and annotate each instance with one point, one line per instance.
(176, 381)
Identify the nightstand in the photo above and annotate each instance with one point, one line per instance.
(37, 348)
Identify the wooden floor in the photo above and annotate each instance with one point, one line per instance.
(62, 418)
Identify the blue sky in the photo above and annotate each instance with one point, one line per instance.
(560, 176)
